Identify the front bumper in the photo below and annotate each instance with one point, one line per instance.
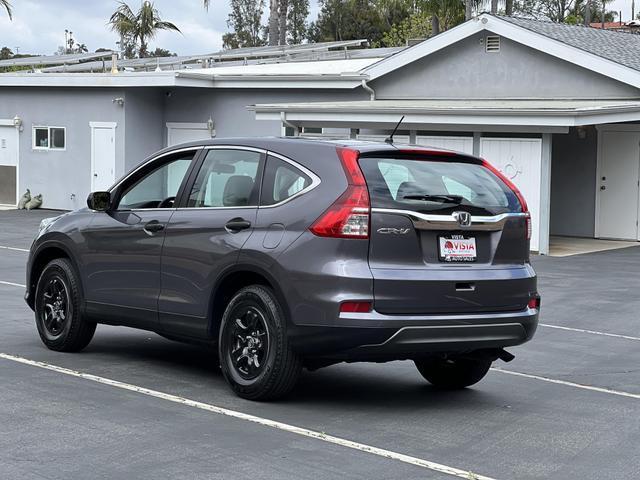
(375, 336)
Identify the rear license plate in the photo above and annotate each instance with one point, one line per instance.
(457, 248)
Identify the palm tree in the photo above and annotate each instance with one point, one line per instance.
(140, 27)
(7, 6)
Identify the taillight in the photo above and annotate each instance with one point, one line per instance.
(517, 193)
(348, 216)
(534, 302)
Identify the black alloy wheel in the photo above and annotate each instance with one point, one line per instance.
(249, 337)
(58, 309)
(56, 305)
(255, 356)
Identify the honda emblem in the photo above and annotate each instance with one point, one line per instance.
(463, 218)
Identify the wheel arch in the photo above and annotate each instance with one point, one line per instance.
(235, 278)
(45, 253)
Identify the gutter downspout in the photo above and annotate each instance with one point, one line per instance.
(371, 91)
(287, 123)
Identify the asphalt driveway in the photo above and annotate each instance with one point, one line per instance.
(568, 406)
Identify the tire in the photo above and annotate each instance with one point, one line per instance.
(255, 356)
(453, 373)
(57, 309)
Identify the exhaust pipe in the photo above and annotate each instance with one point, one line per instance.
(504, 355)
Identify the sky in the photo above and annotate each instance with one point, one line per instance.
(38, 26)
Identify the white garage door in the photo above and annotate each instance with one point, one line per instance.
(8, 164)
(519, 159)
(186, 132)
(458, 144)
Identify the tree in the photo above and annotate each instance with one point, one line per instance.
(138, 28)
(5, 53)
(283, 8)
(297, 20)
(347, 20)
(245, 21)
(445, 14)
(162, 52)
(565, 11)
(417, 25)
(7, 6)
(274, 23)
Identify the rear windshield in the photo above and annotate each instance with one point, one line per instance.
(433, 185)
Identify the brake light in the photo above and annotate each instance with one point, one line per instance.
(355, 307)
(349, 215)
(426, 151)
(534, 302)
(516, 191)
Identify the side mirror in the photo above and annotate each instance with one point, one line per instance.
(99, 201)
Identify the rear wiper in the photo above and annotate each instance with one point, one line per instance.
(457, 199)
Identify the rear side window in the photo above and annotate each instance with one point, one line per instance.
(430, 185)
(227, 178)
(282, 181)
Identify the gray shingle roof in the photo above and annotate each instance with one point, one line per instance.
(619, 47)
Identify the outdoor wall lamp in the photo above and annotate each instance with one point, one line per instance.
(582, 133)
(17, 122)
(119, 101)
(210, 127)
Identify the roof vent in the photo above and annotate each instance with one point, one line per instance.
(493, 44)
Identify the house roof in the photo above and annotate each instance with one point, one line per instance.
(542, 114)
(326, 67)
(608, 53)
(621, 47)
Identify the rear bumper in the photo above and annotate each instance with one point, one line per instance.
(375, 336)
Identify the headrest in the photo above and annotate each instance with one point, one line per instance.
(237, 191)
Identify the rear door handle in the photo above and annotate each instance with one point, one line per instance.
(237, 224)
(153, 226)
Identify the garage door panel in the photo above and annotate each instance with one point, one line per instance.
(458, 144)
(519, 159)
(178, 133)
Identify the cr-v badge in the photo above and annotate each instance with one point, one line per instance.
(394, 231)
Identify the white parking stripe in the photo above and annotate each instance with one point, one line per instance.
(593, 332)
(15, 249)
(11, 284)
(569, 384)
(437, 467)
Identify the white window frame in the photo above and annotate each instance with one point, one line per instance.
(48, 127)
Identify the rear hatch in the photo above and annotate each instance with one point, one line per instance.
(448, 234)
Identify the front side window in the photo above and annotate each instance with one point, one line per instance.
(227, 178)
(157, 188)
(282, 181)
(49, 138)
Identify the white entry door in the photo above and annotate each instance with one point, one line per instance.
(8, 164)
(520, 160)
(618, 175)
(187, 132)
(103, 155)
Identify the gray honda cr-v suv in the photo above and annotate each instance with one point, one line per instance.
(291, 253)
